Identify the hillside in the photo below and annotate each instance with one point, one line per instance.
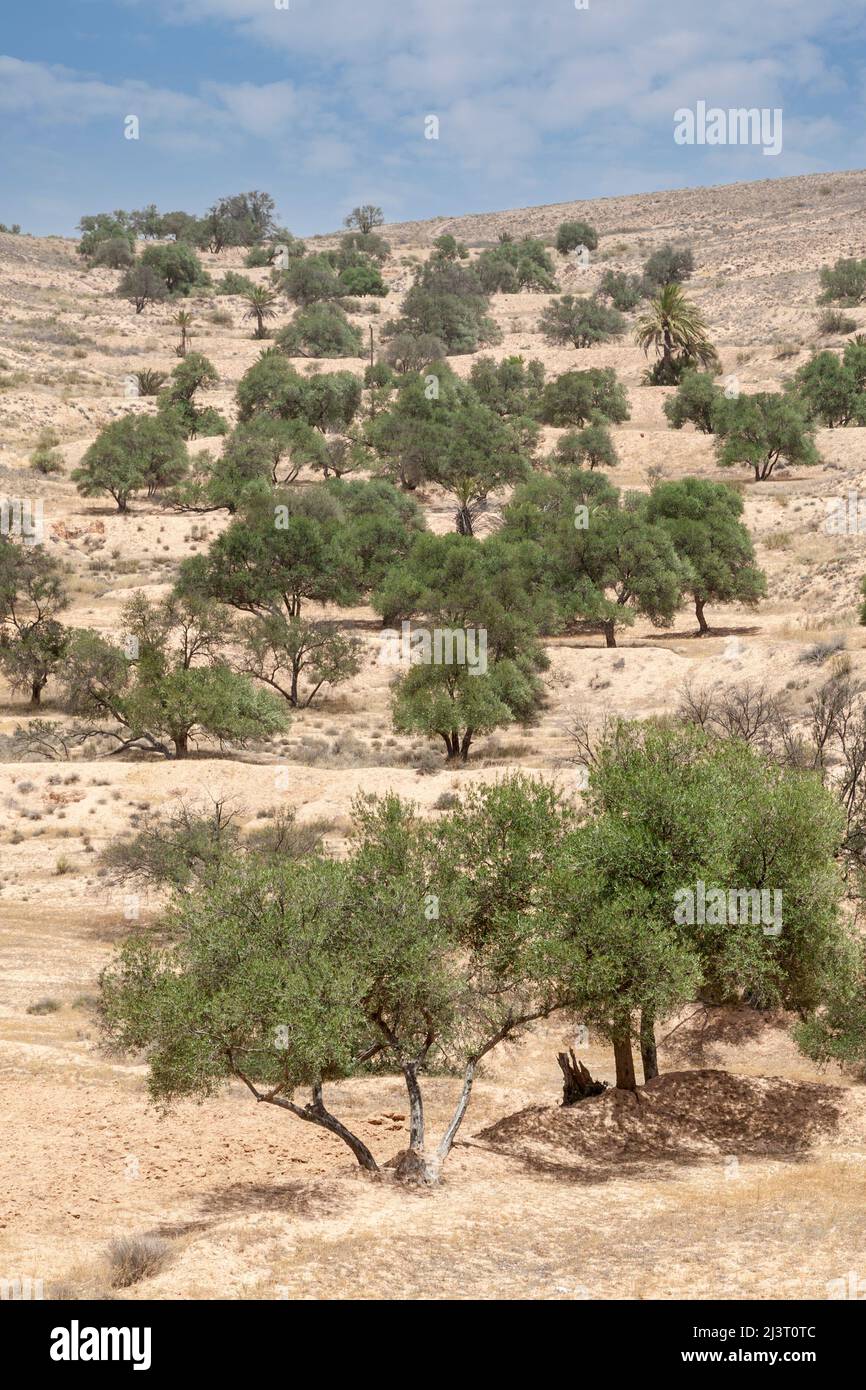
(255, 1205)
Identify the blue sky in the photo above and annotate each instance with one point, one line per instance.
(323, 103)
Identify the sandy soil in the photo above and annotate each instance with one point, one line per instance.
(762, 1196)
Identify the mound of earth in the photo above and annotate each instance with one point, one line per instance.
(682, 1116)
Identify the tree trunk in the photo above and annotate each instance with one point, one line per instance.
(648, 1052)
(320, 1116)
(181, 745)
(625, 1075)
(703, 626)
(609, 633)
(416, 1109)
(36, 692)
(452, 743)
(316, 1114)
(464, 521)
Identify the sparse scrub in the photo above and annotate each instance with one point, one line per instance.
(44, 1006)
(132, 1259)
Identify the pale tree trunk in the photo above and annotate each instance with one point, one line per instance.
(412, 1164)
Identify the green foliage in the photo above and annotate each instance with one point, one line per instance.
(259, 567)
(572, 398)
(272, 386)
(363, 278)
(836, 1031)
(243, 219)
(460, 586)
(150, 381)
(455, 703)
(312, 279)
(114, 253)
(281, 651)
(411, 352)
(592, 446)
(454, 581)
(364, 218)
(328, 543)
(832, 322)
(103, 227)
(448, 436)
(580, 321)
(448, 248)
(133, 454)
(177, 402)
(146, 222)
(762, 430)
(448, 302)
(46, 458)
(177, 266)
(368, 243)
(669, 808)
(703, 522)
(832, 389)
(176, 849)
(33, 643)
(676, 330)
(381, 524)
(572, 234)
(282, 243)
(695, 402)
(263, 452)
(516, 265)
(844, 282)
(260, 301)
(181, 226)
(290, 974)
(234, 283)
(625, 292)
(670, 265)
(175, 687)
(604, 563)
(512, 388)
(142, 285)
(322, 330)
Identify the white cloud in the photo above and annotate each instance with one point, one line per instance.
(513, 82)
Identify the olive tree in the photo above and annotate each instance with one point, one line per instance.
(703, 522)
(168, 683)
(33, 644)
(133, 454)
(762, 430)
(421, 953)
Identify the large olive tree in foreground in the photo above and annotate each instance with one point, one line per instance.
(421, 953)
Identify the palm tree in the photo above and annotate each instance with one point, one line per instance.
(677, 330)
(183, 321)
(260, 301)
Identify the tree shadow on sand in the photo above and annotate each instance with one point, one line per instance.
(681, 1119)
(288, 1198)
